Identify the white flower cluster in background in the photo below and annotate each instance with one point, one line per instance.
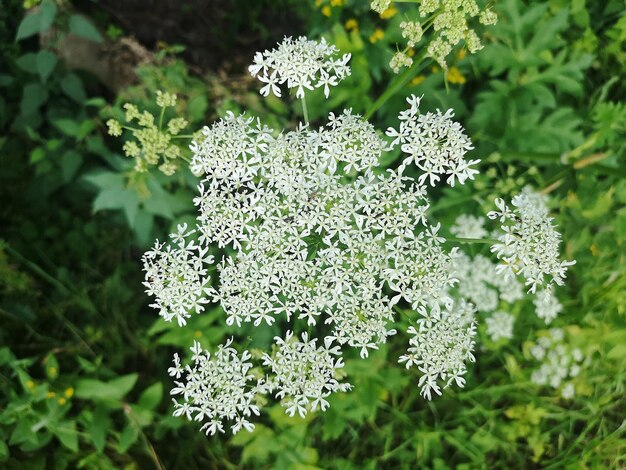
(547, 306)
(529, 243)
(481, 284)
(469, 226)
(500, 326)
(434, 143)
(302, 64)
(559, 362)
(441, 345)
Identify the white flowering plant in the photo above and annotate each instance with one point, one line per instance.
(331, 249)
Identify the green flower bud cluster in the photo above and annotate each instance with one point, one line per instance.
(152, 140)
(449, 20)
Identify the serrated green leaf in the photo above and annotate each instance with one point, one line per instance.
(70, 163)
(46, 61)
(114, 390)
(99, 427)
(4, 451)
(68, 126)
(82, 27)
(72, 86)
(33, 96)
(121, 199)
(38, 21)
(127, 438)
(151, 397)
(66, 433)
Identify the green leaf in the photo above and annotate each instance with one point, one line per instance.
(618, 352)
(37, 22)
(121, 199)
(81, 26)
(67, 126)
(151, 397)
(70, 163)
(127, 438)
(66, 433)
(99, 427)
(4, 451)
(114, 390)
(27, 62)
(72, 86)
(46, 61)
(33, 96)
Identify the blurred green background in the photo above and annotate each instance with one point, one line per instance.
(83, 357)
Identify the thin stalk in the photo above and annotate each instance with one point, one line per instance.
(489, 241)
(304, 110)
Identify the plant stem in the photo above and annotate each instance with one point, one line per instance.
(304, 110)
(399, 82)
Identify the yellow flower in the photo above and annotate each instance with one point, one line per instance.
(388, 13)
(417, 80)
(30, 385)
(326, 11)
(318, 2)
(410, 52)
(197, 334)
(352, 25)
(454, 76)
(69, 392)
(61, 401)
(337, 3)
(461, 54)
(377, 35)
(434, 69)
(50, 394)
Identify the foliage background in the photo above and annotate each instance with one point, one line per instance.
(82, 356)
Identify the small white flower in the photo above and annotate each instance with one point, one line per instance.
(301, 64)
(529, 243)
(434, 143)
(500, 326)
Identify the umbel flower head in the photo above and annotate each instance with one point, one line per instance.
(435, 143)
(302, 64)
(322, 244)
(529, 242)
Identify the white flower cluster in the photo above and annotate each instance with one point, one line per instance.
(481, 284)
(435, 143)
(469, 226)
(529, 243)
(304, 374)
(218, 388)
(450, 22)
(500, 326)
(560, 362)
(441, 345)
(302, 64)
(178, 276)
(547, 305)
(451, 26)
(319, 236)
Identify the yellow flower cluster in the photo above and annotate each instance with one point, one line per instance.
(152, 144)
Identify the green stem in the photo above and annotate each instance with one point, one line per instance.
(399, 82)
(161, 118)
(489, 241)
(304, 110)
